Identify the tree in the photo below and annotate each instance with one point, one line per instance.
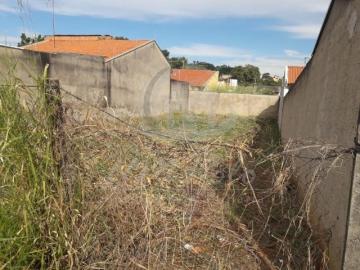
(25, 40)
(247, 74)
(224, 69)
(251, 74)
(202, 65)
(178, 62)
(266, 76)
(120, 38)
(266, 79)
(166, 53)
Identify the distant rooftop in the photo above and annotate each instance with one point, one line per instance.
(192, 76)
(95, 45)
(293, 72)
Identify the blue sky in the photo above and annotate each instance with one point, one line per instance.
(266, 33)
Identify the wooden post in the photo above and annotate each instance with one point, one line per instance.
(57, 120)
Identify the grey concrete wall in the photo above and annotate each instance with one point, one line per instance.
(236, 104)
(179, 97)
(323, 107)
(83, 76)
(352, 258)
(25, 65)
(140, 81)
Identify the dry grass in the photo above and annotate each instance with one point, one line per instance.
(129, 201)
(37, 205)
(156, 204)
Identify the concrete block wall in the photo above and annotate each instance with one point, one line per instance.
(184, 99)
(26, 66)
(179, 97)
(323, 108)
(140, 81)
(82, 75)
(226, 104)
(352, 248)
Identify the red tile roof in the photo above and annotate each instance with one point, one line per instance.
(192, 76)
(104, 46)
(293, 73)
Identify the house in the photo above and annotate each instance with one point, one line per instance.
(227, 80)
(291, 75)
(133, 74)
(197, 79)
(276, 78)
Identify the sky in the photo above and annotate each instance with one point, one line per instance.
(267, 33)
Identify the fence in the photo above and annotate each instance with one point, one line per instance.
(202, 102)
(323, 107)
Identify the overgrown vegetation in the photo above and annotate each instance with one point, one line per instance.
(246, 89)
(36, 210)
(226, 202)
(213, 193)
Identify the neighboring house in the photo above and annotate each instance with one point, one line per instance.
(136, 74)
(197, 79)
(291, 75)
(227, 80)
(276, 78)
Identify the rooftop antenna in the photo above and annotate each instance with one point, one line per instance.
(53, 19)
(306, 59)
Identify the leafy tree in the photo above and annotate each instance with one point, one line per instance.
(120, 38)
(267, 79)
(247, 74)
(251, 74)
(25, 40)
(224, 69)
(238, 74)
(266, 76)
(166, 53)
(178, 62)
(202, 65)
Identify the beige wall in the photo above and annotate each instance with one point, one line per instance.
(323, 107)
(140, 81)
(236, 104)
(179, 98)
(83, 76)
(27, 66)
(213, 82)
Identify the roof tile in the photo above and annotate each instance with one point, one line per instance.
(103, 46)
(293, 73)
(193, 77)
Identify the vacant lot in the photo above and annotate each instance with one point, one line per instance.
(174, 192)
(197, 192)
